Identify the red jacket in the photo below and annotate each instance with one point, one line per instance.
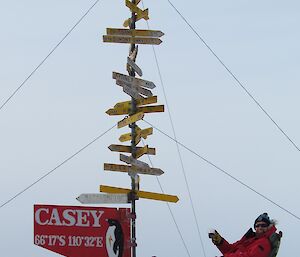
(249, 246)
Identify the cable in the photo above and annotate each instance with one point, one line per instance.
(177, 147)
(235, 78)
(170, 210)
(51, 171)
(225, 172)
(51, 52)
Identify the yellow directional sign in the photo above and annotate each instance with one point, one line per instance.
(125, 137)
(127, 149)
(139, 102)
(142, 133)
(120, 148)
(130, 119)
(150, 109)
(146, 132)
(140, 14)
(142, 151)
(126, 110)
(132, 40)
(134, 32)
(118, 111)
(141, 194)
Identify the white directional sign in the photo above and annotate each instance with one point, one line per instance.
(134, 66)
(102, 198)
(133, 93)
(133, 80)
(141, 90)
(135, 162)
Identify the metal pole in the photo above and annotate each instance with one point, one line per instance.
(133, 151)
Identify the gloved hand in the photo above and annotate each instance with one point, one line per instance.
(215, 238)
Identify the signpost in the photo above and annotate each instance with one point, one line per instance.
(74, 231)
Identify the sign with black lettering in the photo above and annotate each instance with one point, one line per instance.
(82, 231)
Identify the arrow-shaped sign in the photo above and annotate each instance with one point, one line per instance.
(135, 67)
(140, 90)
(142, 133)
(132, 40)
(127, 149)
(139, 102)
(140, 14)
(134, 32)
(132, 161)
(140, 152)
(133, 80)
(126, 168)
(131, 119)
(103, 198)
(141, 194)
(150, 109)
(133, 93)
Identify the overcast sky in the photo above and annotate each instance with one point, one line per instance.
(61, 108)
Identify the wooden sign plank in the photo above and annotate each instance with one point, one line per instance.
(139, 102)
(144, 109)
(142, 151)
(135, 169)
(141, 194)
(127, 149)
(134, 8)
(133, 80)
(103, 198)
(120, 148)
(140, 90)
(146, 132)
(142, 133)
(140, 14)
(116, 167)
(134, 32)
(135, 67)
(118, 111)
(132, 161)
(133, 93)
(131, 119)
(151, 109)
(132, 40)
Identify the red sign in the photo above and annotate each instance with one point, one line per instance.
(82, 231)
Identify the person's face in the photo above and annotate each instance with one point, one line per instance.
(261, 227)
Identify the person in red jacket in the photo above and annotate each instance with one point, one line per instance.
(252, 244)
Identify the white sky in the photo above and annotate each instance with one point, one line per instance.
(62, 108)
